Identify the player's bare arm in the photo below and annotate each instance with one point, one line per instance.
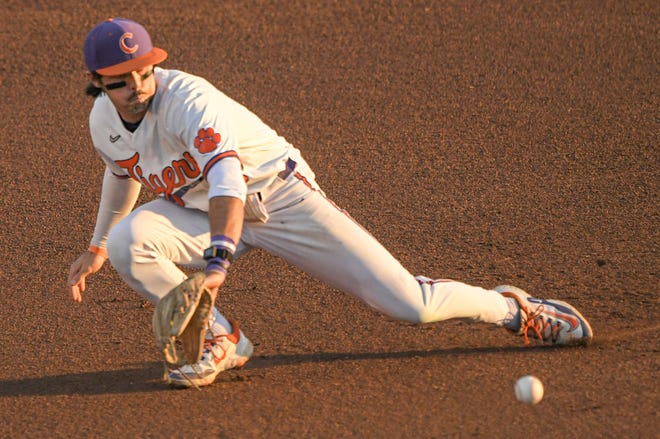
(225, 220)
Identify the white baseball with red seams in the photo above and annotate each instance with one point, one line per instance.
(193, 134)
(529, 390)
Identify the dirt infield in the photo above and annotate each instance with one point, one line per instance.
(488, 142)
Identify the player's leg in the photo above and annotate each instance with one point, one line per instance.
(328, 244)
(149, 245)
(147, 248)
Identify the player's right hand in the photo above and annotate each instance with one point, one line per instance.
(213, 281)
(86, 264)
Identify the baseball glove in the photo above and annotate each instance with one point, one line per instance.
(180, 322)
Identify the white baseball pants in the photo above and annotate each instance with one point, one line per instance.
(307, 230)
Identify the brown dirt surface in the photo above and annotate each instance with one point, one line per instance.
(488, 142)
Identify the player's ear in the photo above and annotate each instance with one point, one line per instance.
(94, 78)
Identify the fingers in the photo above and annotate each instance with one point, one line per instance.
(76, 279)
(213, 282)
(88, 263)
(77, 286)
(80, 288)
(74, 282)
(75, 293)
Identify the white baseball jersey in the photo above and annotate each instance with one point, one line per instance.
(195, 126)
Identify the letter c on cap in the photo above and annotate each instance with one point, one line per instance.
(124, 47)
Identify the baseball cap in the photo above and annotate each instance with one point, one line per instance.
(118, 45)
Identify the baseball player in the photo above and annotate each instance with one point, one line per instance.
(228, 183)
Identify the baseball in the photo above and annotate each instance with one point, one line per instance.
(529, 389)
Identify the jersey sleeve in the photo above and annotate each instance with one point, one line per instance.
(225, 180)
(206, 129)
(118, 196)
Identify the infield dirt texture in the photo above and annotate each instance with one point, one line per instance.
(487, 142)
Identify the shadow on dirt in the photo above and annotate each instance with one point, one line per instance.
(132, 380)
(260, 362)
(146, 379)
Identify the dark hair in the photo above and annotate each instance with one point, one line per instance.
(93, 90)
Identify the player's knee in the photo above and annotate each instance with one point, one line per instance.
(426, 316)
(414, 314)
(119, 246)
(422, 315)
(127, 246)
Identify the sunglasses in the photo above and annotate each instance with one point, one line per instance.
(122, 84)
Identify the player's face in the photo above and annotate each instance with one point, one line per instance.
(131, 93)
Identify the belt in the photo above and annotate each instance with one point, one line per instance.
(288, 170)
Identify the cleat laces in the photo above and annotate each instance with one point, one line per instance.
(535, 324)
(210, 344)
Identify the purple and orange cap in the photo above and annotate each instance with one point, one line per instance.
(118, 46)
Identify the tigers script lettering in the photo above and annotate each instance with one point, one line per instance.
(170, 178)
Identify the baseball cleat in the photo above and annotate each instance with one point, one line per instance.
(548, 320)
(221, 352)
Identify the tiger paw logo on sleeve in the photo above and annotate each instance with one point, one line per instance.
(207, 140)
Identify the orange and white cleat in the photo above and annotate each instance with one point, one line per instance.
(221, 352)
(551, 321)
